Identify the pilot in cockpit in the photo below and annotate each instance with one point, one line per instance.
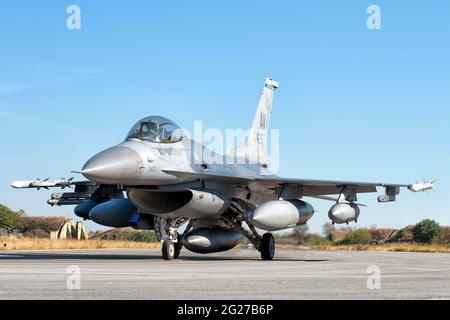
(156, 129)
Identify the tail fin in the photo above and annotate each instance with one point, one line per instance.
(255, 148)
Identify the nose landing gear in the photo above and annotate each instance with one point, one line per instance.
(172, 241)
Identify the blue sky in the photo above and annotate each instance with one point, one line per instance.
(353, 104)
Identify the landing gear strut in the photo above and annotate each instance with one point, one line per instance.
(265, 244)
(178, 246)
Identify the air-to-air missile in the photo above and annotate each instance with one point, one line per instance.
(67, 198)
(46, 183)
(421, 187)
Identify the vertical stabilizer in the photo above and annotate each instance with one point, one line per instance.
(255, 149)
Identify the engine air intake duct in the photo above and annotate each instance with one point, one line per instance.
(188, 203)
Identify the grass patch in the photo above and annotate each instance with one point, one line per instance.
(16, 243)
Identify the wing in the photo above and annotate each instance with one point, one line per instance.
(287, 188)
(297, 188)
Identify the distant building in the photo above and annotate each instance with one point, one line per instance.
(53, 228)
(338, 235)
(377, 234)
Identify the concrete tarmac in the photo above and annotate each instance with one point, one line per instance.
(237, 274)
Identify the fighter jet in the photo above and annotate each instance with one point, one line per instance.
(157, 179)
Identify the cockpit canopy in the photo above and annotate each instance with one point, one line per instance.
(156, 129)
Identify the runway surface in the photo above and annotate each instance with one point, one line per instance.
(237, 274)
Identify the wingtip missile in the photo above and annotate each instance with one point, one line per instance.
(421, 187)
(39, 184)
(20, 184)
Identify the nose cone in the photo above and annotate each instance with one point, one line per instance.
(117, 165)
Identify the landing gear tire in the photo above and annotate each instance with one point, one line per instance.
(267, 246)
(168, 250)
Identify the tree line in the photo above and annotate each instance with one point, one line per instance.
(426, 231)
(9, 219)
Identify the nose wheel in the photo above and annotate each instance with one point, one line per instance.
(171, 250)
(168, 250)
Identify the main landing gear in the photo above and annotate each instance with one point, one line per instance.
(172, 241)
(265, 244)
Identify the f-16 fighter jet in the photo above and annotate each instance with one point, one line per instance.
(158, 179)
